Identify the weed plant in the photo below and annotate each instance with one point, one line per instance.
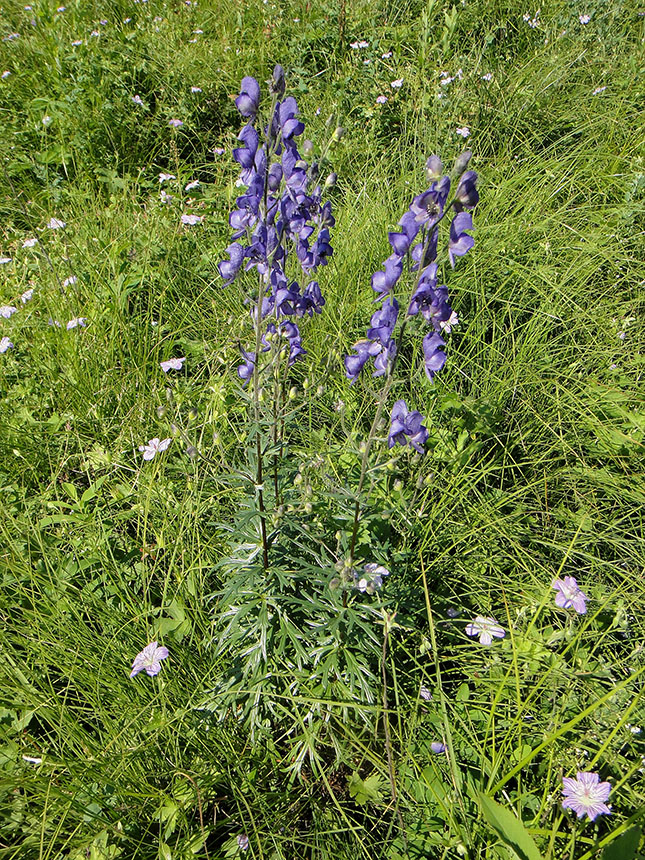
(291, 719)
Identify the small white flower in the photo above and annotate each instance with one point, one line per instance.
(195, 89)
(138, 101)
(354, 45)
(61, 8)
(27, 295)
(69, 282)
(165, 197)
(172, 364)
(77, 42)
(5, 344)
(11, 37)
(487, 77)
(363, 44)
(166, 177)
(198, 32)
(55, 224)
(450, 323)
(425, 694)
(381, 100)
(598, 90)
(194, 184)
(54, 323)
(153, 447)
(191, 220)
(396, 85)
(95, 33)
(445, 81)
(77, 321)
(464, 132)
(485, 628)
(46, 121)
(29, 243)
(7, 311)
(218, 150)
(4, 260)
(5, 74)
(386, 55)
(175, 123)
(584, 19)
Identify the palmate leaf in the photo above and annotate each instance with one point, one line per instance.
(509, 828)
(625, 847)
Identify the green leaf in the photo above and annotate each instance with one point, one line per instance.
(509, 828)
(625, 847)
(365, 790)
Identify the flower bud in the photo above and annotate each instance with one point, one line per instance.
(277, 83)
(434, 168)
(174, 430)
(331, 180)
(161, 411)
(305, 383)
(331, 119)
(320, 391)
(191, 451)
(262, 395)
(398, 486)
(362, 448)
(307, 148)
(216, 438)
(293, 393)
(192, 414)
(339, 131)
(334, 583)
(169, 395)
(461, 163)
(308, 507)
(298, 479)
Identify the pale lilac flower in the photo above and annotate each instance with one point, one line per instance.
(448, 325)
(56, 224)
(218, 150)
(584, 19)
(487, 77)
(569, 596)
(103, 23)
(463, 132)
(445, 81)
(77, 42)
(191, 220)
(598, 90)
(243, 842)
(4, 260)
(29, 243)
(26, 296)
(76, 322)
(61, 8)
(166, 177)
(69, 282)
(7, 311)
(165, 197)
(153, 447)
(138, 101)
(437, 747)
(149, 659)
(396, 85)
(5, 344)
(381, 100)
(485, 628)
(194, 184)
(425, 694)
(11, 37)
(354, 45)
(5, 75)
(95, 33)
(386, 55)
(54, 323)
(195, 89)
(586, 795)
(175, 123)
(172, 364)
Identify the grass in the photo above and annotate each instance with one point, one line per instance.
(534, 465)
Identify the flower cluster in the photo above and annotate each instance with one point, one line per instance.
(372, 577)
(279, 216)
(417, 244)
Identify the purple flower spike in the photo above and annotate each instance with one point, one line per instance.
(248, 100)
(460, 242)
(406, 426)
(434, 358)
(569, 596)
(288, 123)
(149, 660)
(586, 795)
(383, 321)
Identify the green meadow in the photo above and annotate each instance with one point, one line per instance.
(297, 716)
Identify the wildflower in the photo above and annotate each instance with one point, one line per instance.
(191, 185)
(463, 132)
(406, 426)
(29, 243)
(77, 42)
(54, 323)
(191, 220)
(195, 89)
(569, 596)
(165, 197)
(396, 85)
(218, 150)
(166, 177)
(381, 100)
(175, 123)
(77, 321)
(448, 325)
(172, 364)
(55, 224)
(26, 296)
(4, 260)
(69, 282)
(598, 90)
(7, 311)
(437, 747)
(149, 659)
(248, 100)
(95, 33)
(445, 81)
(460, 242)
(433, 357)
(586, 795)
(425, 694)
(485, 628)
(584, 19)
(138, 101)
(243, 842)
(153, 447)
(373, 578)
(487, 77)
(5, 344)
(386, 55)
(5, 75)
(11, 37)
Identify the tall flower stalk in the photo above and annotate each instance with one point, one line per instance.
(281, 229)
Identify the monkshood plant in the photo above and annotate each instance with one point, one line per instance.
(298, 613)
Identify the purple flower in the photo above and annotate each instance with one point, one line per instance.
(383, 281)
(569, 596)
(228, 269)
(172, 364)
(383, 321)
(425, 694)
(77, 321)
(355, 363)
(191, 220)
(467, 194)
(460, 242)
(5, 344)
(245, 371)
(248, 100)
(153, 447)
(287, 117)
(433, 358)
(437, 747)
(406, 426)
(243, 842)
(372, 578)
(175, 123)
(7, 311)
(149, 660)
(586, 795)
(485, 628)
